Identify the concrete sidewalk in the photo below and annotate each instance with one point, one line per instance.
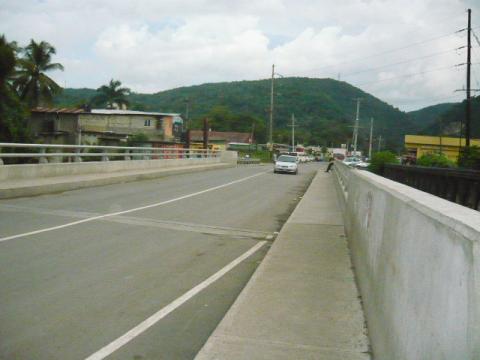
(302, 302)
(53, 184)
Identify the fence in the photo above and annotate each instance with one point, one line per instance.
(44, 153)
(460, 186)
(243, 161)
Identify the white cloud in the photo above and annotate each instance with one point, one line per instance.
(153, 45)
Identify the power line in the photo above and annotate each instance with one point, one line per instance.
(412, 74)
(457, 97)
(404, 62)
(385, 52)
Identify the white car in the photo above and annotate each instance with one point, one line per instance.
(287, 164)
(352, 161)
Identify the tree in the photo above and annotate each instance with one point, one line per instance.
(380, 159)
(32, 84)
(221, 118)
(12, 112)
(469, 158)
(111, 95)
(435, 160)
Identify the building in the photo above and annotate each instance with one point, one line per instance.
(418, 145)
(219, 140)
(103, 126)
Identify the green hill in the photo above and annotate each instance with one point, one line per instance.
(453, 119)
(324, 108)
(428, 115)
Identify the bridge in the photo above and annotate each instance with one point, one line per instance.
(194, 257)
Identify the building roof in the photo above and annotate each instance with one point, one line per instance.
(129, 112)
(99, 111)
(227, 136)
(423, 140)
(58, 110)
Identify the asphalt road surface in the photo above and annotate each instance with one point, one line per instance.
(141, 270)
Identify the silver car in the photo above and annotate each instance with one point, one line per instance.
(286, 164)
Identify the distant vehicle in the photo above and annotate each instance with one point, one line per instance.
(362, 165)
(356, 162)
(352, 161)
(286, 164)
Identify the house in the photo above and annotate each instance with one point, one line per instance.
(418, 145)
(103, 126)
(219, 140)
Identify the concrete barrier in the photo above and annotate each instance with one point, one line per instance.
(35, 171)
(417, 262)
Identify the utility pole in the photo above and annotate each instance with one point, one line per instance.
(270, 136)
(187, 108)
(205, 133)
(355, 128)
(293, 131)
(371, 138)
(469, 63)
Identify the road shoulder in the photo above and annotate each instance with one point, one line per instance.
(302, 302)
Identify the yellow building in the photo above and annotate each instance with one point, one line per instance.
(418, 145)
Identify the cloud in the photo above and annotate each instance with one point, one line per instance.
(153, 45)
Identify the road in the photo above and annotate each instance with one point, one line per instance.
(141, 270)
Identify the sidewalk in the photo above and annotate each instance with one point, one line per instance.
(302, 301)
(45, 185)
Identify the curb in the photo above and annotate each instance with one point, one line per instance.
(56, 185)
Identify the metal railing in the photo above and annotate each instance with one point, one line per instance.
(250, 161)
(45, 153)
(457, 185)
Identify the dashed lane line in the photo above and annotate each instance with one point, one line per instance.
(73, 223)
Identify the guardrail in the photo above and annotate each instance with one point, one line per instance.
(248, 161)
(459, 186)
(45, 153)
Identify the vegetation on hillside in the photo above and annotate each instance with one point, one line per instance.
(428, 115)
(324, 109)
(452, 121)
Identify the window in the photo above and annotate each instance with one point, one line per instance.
(147, 122)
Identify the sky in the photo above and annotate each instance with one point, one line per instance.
(405, 52)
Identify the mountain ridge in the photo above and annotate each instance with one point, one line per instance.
(325, 108)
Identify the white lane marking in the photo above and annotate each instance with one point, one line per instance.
(127, 211)
(152, 320)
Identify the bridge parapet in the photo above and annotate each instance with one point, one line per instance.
(417, 261)
(64, 160)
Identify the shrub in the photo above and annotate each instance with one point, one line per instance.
(137, 139)
(435, 160)
(469, 158)
(379, 159)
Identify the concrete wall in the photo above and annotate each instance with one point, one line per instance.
(32, 171)
(417, 262)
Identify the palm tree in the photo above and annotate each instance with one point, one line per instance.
(7, 61)
(31, 83)
(12, 112)
(112, 95)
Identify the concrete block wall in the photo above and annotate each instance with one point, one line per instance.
(417, 263)
(33, 171)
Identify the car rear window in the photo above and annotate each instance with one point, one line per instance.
(287, 158)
